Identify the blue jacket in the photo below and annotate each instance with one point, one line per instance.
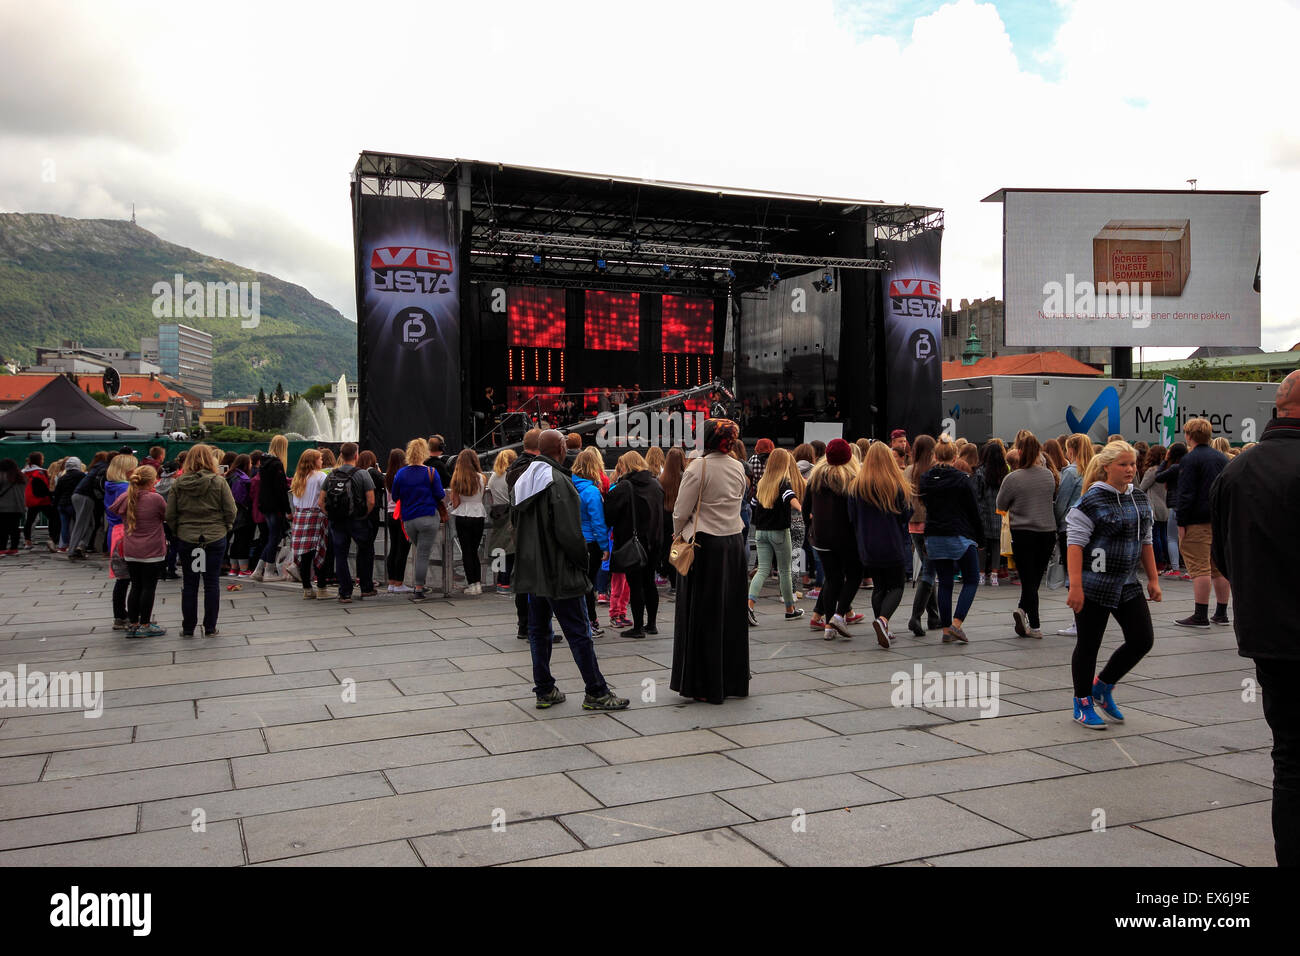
(419, 489)
(593, 512)
(882, 535)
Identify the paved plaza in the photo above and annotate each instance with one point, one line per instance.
(394, 734)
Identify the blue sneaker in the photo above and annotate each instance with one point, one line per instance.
(1084, 714)
(1102, 698)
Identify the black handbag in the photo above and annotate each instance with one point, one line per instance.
(629, 556)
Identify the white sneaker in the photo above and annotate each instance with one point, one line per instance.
(993, 580)
(401, 589)
(1071, 631)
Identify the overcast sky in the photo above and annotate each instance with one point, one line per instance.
(233, 127)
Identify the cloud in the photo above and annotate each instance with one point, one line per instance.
(239, 144)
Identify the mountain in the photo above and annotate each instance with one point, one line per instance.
(92, 280)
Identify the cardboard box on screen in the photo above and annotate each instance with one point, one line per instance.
(1144, 250)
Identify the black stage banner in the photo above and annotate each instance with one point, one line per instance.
(408, 328)
(913, 337)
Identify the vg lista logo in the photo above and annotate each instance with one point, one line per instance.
(914, 298)
(1108, 401)
(411, 269)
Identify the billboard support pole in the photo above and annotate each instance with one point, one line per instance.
(1121, 363)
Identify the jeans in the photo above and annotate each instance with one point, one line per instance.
(945, 569)
(144, 583)
(344, 533)
(1158, 542)
(594, 561)
(274, 531)
(1171, 538)
(1278, 680)
(469, 532)
(843, 578)
(572, 617)
(1134, 620)
(67, 518)
(773, 546)
(202, 561)
(422, 531)
(1032, 551)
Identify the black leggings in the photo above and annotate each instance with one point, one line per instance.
(643, 595)
(842, 577)
(594, 561)
(51, 522)
(1032, 551)
(887, 580)
(469, 532)
(398, 549)
(992, 555)
(305, 562)
(144, 584)
(1134, 620)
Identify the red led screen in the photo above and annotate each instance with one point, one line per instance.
(536, 316)
(688, 325)
(613, 321)
(517, 395)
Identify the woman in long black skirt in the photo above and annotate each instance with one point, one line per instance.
(711, 632)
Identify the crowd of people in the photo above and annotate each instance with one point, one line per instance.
(566, 537)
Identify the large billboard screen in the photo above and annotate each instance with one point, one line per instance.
(1084, 267)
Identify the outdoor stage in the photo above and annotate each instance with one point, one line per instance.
(551, 287)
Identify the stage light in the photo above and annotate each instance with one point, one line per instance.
(826, 283)
(601, 265)
(667, 271)
(537, 260)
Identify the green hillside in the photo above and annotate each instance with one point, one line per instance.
(91, 280)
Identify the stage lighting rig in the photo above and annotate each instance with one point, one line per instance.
(601, 265)
(826, 283)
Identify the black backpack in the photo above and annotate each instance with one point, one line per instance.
(344, 499)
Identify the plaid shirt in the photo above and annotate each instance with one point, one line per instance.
(308, 533)
(757, 465)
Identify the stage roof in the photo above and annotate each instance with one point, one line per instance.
(637, 226)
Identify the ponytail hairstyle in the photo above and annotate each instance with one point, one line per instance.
(1081, 451)
(141, 481)
(945, 451)
(1104, 458)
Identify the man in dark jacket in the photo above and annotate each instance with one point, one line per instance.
(517, 468)
(551, 567)
(1255, 510)
(1197, 472)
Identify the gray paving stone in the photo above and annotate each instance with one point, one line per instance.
(1201, 683)
(107, 790)
(1136, 794)
(74, 720)
(539, 734)
(173, 674)
(875, 834)
(341, 660)
(67, 827)
(248, 720)
(1050, 701)
(658, 818)
(1182, 665)
(691, 716)
(681, 744)
(1220, 738)
(299, 832)
(352, 729)
(967, 773)
(1253, 765)
(307, 764)
(810, 794)
(784, 681)
(1242, 834)
(459, 773)
(484, 846)
(1220, 708)
(206, 652)
(879, 718)
(250, 801)
(219, 846)
(660, 779)
(1026, 731)
(201, 690)
(25, 769)
(774, 732)
(325, 694)
(1116, 847)
(455, 680)
(709, 848)
(817, 758)
(156, 753)
(1115, 753)
(392, 853)
(49, 743)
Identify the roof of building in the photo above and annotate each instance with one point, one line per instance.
(59, 400)
(15, 388)
(1033, 363)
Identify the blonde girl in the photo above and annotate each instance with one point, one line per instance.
(774, 500)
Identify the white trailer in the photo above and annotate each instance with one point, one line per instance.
(1000, 405)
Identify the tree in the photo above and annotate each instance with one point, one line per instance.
(260, 412)
(315, 394)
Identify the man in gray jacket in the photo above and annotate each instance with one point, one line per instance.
(551, 567)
